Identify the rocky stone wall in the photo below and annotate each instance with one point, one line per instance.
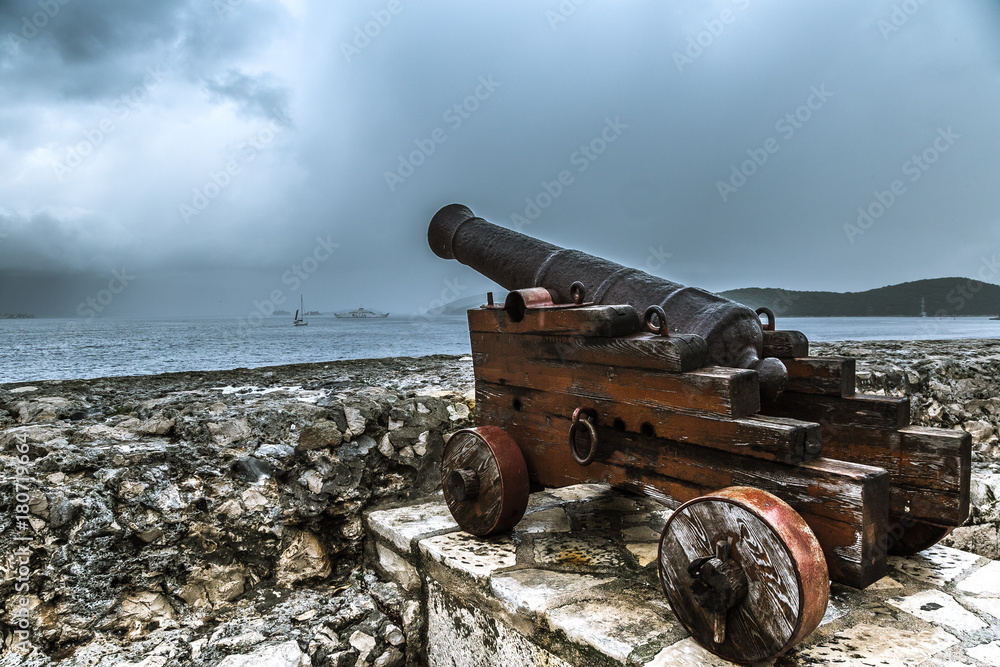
(194, 518)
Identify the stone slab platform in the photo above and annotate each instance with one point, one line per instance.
(576, 584)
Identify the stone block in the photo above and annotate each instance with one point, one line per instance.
(397, 568)
(939, 608)
(984, 581)
(402, 526)
(460, 635)
(613, 626)
(470, 555)
(935, 566)
(874, 646)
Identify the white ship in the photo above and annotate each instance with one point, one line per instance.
(360, 312)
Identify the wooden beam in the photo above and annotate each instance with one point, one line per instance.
(677, 352)
(785, 344)
(732, 392)
(890, 412)
(929, 468)
(605, 321)
(833, 376)
(768, 438)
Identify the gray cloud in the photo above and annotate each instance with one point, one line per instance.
(371, 93)
(261, 96)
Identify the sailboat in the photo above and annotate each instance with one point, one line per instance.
(300, 315)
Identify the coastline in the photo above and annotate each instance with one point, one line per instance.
(191, 516)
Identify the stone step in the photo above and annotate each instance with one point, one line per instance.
(576, 584)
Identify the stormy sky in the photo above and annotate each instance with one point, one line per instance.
(203, 157)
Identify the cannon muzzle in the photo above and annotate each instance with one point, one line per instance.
(517, 261)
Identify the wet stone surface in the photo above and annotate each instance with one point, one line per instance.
(578, 598)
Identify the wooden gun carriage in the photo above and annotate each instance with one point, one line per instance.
(778, 488)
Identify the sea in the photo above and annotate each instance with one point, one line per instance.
(61, 349)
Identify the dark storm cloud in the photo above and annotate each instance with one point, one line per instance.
(720, 144)
(88, 49)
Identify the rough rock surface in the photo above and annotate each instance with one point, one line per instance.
(215, 518)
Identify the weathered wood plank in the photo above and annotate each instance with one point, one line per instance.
(890, 412)
(677, 353)
(833, 376)
(845, 504)
(784, 344)
(732, 392)
(769, 438)
(929, 469)
(603, 321)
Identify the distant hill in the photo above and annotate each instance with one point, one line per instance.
(943, 297)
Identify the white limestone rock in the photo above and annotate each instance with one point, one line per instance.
(287, 654)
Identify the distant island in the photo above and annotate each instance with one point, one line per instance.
(17, 316)
(281, 312)
(937, 297)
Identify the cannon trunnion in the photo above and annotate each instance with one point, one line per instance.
(772, 499)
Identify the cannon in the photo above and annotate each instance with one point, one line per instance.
(780, 475)
(515, 261)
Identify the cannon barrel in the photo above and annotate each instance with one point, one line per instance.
(517, 261)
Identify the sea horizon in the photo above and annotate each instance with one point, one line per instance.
(75, 348)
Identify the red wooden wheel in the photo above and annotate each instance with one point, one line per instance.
(744, 574)
(485, 480)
